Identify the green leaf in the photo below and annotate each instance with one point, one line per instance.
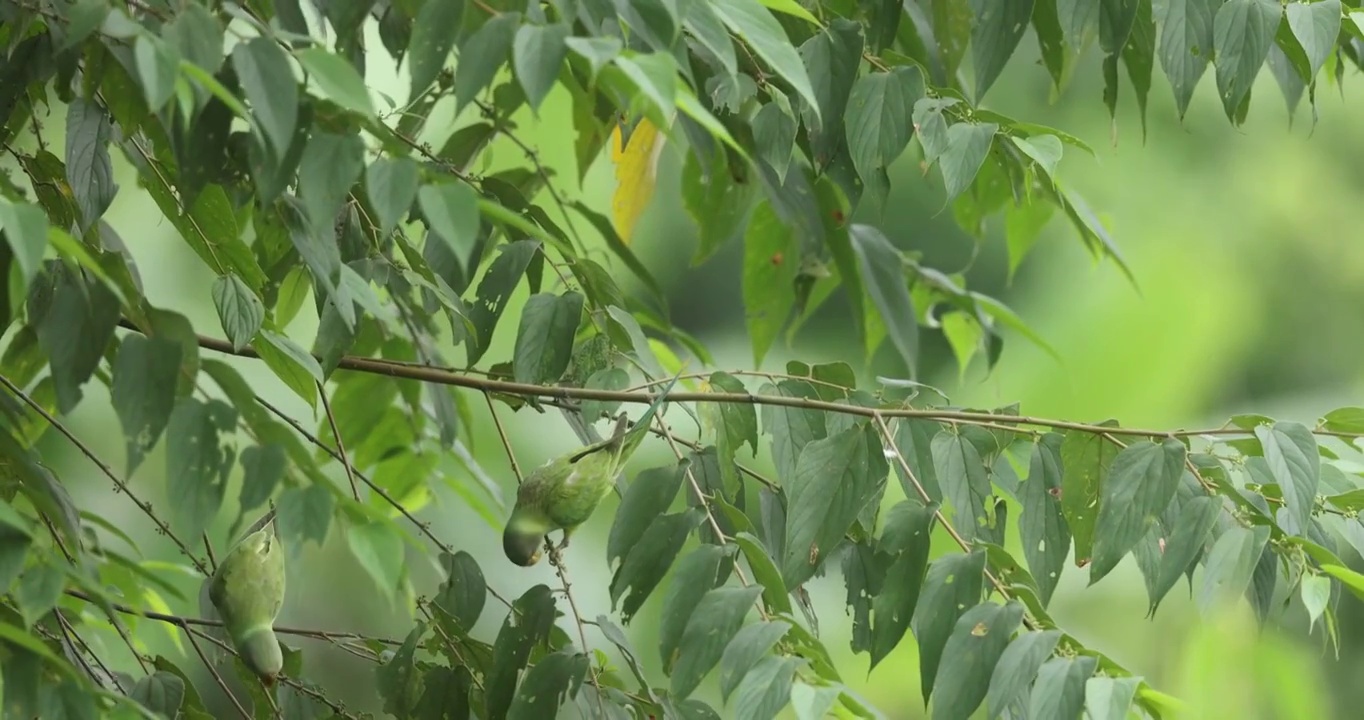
(291, 364)
(399, 679)
(391, 184)
(330, 165)
(1316, 25)
(25, 229)
(464, 591)
(882, 270)
(931, 126)
(1352, 580)
(756, 26)
(747, 650)
(161, 692)
(970, 656)
(1316, 594)
(494, 290)
(1229, 565)
(1243, 31)
(1085, 460)
(338, 79)
(1045, 150)
(1186, 46)
(544, 339)
(648, 561)
(647, 497)
(1060, 688)
(994, 35)
(834, 479)
(537, 54)
(953, 584)
(157, 63)
(272, 91)
(769, 274)
(304, 513)
(481, 56)
(451, 211)
(547, 685)
(1346, 420)
(1196, 520)
(715, 621)
(967, 146)
(765, 572)
(89, 171)
(239, 310)
(1042, 527)
(1017, 667)
(832, 58)
(766, 688)
(143, 393)
(379, 550)
(876, 129)
(1141, 483)
(774, 134)
(696, 575)
(914, 442)
(39, 589)
(197, 464)
(1295, 463)
(527, 625)
(433, 36)
(718, 202)
(906, 539)
(962, 473)
(1110, 698)
(75, 318)
(262, 470)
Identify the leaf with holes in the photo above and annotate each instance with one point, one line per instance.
(972, 652)
(712, 625)
(953, 584)
(1141, 483)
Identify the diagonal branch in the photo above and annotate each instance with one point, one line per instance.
(340, 454)
(122, 486)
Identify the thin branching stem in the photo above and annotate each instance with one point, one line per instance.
(340, 446)
(442, 376)
(122, 486)
(217, 677)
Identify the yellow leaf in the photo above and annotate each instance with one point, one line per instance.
(636, 165)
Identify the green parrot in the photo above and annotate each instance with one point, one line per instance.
(563, 493)
(247, 591)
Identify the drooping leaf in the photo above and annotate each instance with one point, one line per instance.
(696, 575)
(544, 340)
(1293, 459)
(89, 170)
(906, 539)
(1140, 484)
(746, 650)
(391, 184)
(528, 624)
(834, 479)
(548, 685)
(1017, 667)
(970, 656)
(239, 310)
(143, 392)
(994, 35)
(1042, 527)
(433, 37)
(1243, 31)
(537, 53)
(756, 26)
(876, 129)
(648, 496)
(1085, 460)
(273, 94)
(482, 54)
(967, 146)
(291, 364)
(1186, 46)
(952, 585)
(379, 550)
(338, 79)
(1230, 565)
(1196, 520)
(648, 561)
(769, 272)
(196, 462)
(766, 689)
(1060, 688)
(716, 620)
(882, 269)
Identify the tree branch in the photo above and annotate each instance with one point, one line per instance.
(441, 376)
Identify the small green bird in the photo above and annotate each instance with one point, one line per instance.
(247, 590)
(563, 493)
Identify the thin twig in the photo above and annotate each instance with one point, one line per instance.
(145, 507)
(424, 527)
(502, 434)
(484, 384)
(340, 446)
(965, 546)
(201, 622)
(189, 633)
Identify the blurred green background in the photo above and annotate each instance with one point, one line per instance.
(1250, 289)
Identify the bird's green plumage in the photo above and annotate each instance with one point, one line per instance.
(248, 591)
(562, 494)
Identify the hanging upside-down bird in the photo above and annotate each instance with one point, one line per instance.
(563, 493)
(247, 590)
